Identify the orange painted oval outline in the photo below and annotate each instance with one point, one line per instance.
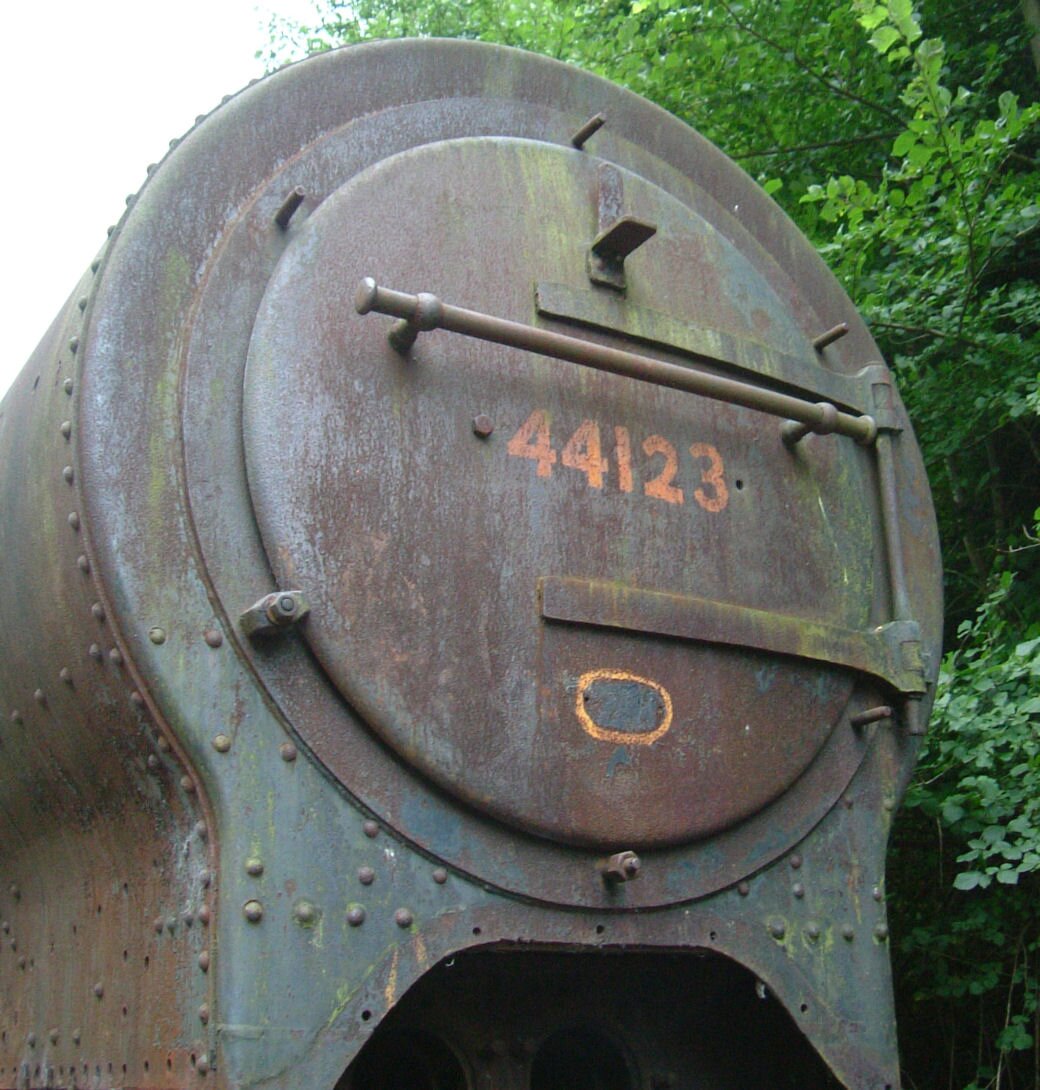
(619, 736)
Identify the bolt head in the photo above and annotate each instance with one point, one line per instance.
(483, 425)
(403, 918)
(253, 911)
(222, 743)
(366, 875)
(356, 916)
(254, 867)
(777, 929)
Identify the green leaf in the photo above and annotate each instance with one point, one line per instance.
(884, 38)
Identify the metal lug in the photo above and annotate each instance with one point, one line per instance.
(274, 613)
(621, 867)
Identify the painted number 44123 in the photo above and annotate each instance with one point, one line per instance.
(656, 468)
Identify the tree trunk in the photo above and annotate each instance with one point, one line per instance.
(1031, 11)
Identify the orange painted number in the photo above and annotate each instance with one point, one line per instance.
(623, 450)
(583, 453)
(532, 441)
(712, 476)
(661, 486)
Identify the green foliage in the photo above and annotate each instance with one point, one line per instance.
(902, 137)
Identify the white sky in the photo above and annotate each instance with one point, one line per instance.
(93, 91)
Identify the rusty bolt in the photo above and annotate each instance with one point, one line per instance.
(440, 875)
(356, 916)
(366, 875)
(203, 1065)
(222, 743)
(254, 867)
(204, 1013)
(253, 911)
(483, 425)
(796, 861)
(370, 829)
(621, 867)
(287, 751)
(403, 918)
(204, 915)
(213, 636)
(204, 961)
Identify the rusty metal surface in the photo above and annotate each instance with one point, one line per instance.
(414, 769)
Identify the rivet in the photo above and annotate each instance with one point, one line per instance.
(77, 1036)
(483, 425)
(777, 929)
(848, 932)
(204, 961)
(69, 474)
(812, 929)
(129, 199)
(876, 893)
(201, 831)
(287, 752)
(403, 918)
(213, 636)
(743, 888)
(370, 828)
(157, 923)
(222, 743)
(881, 932)
(67, 385)
(16, 717)
(66, 428)
(31, 1040)
(73, 520)
(95, 265)
(203, 1065)
(65, 674)
(53, 1035)
(99, 989)
(366, 875)
(171, 924)
(82, 301)
(798, 890)
(305, 913)
(153, 761)
(253, 911)
(98, 611)
(163, 743)
(440, 876)
(204, 915)
(151, 168)
(40, 697)
(888, 804)
(796, 861)
(356, 916)
(115, 656)
(157, 635)
(83, 563)
(110, 230)
(187, 784)
(5, 927)
(136, 699)
(16, 893)
(204, 1014)
(21, 961)
(206, 878)
(254, 867)
(73, 344)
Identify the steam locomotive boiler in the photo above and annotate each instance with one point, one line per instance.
(470, 596)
